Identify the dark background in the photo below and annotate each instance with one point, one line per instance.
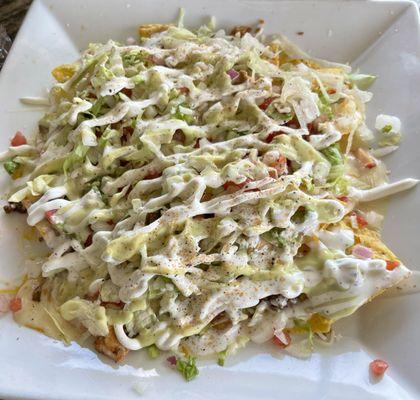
(12, 13)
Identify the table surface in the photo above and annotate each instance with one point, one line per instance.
(12, 13)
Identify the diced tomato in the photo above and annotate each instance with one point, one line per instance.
(360, 220)
(344, 199)
(113, 304)
(331, 91)
(179, 136)
(378, 367)
(229, 184)
(391, 265)
(15, 304)
(280, 165)
(272, 174)
(151, 217)
(153, 174)
(89, 240)
(127, 92)
(264, 105)
(171, 360)
(293, 123)
(184, 90)
(303, 250)
(283, 341)
(18, 140)
(156, 60)
(272, 135)
(311, 127)
(49, 216)
(92, 296)
(204, 216)
(126, 133)
(206, 197)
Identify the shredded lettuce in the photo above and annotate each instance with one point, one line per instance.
(10, 167)
(276, 234)
(178, 114)
(362, 81)
(325, 106)
(76, 156)
(333, 155)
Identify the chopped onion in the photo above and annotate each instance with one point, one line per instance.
(233, 73)
(171, 360)
(374, 219)
(362, 251)
(141, 386)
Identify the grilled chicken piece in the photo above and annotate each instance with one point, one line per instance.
(110, 346)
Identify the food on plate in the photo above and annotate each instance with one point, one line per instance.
(378, 367)
(200, 190)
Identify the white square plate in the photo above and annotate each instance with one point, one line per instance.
(379, 37)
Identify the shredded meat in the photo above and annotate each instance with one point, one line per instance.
(14, 207)
(241, 30)
(110, 346)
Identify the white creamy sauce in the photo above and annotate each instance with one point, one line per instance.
(246, 293)
(48, 202)
(337, 238)
(134, 286)
(349, 272)
(329, 136)
(128, 343)
(213, 341)
(382, 191)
